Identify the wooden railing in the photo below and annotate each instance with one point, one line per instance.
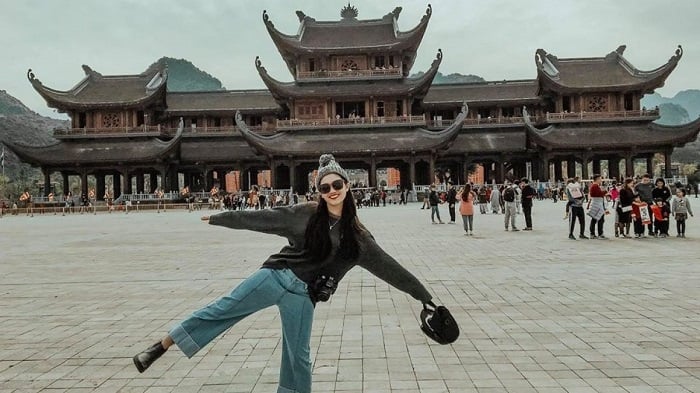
(373, 73)
(577, 116)
(478, 121)
(108, 131)
(357, 121)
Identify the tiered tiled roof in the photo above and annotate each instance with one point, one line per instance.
(98, 91)
(220, 102)
(399, 140)
(283, 91)
(347, 36)
(610, 73)
(91, 151)
(610, 136)
(486, 93)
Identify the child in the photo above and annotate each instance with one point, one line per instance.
(640, 216)
(681, 209)
(661, 213)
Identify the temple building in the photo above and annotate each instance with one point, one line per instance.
(350, 94)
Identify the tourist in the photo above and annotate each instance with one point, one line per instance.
(466, 208)
(518, 195)
(645, 190)
(661, 191)
(510, 211)
(495, 199)
(159, 194)
(434, 200)
(597, 207)
(527, 195)
(624, 208)
(69, 203)
(26, 201)
(575, 201)
(661, 212)
(680, 210)
(451, 199)
(640, 216)
(482, 199)
(108, 198)
(326, 240)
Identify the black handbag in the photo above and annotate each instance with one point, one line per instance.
(439, 324)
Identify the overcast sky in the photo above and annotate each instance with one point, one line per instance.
(495, 39)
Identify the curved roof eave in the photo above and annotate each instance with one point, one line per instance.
(60, 153)
(65, 99)
(648, 80)
(270, 145)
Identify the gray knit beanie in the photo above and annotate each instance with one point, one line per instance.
(327, 165)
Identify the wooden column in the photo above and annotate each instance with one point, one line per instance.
(432, 168)
(500, 169)
(83, 182)
(596, 167)
(140, 183)
(373, 172)
(100, 186)
(629, 165)
(571, 168)
(650, 165)
(66, 182)
(412, 171)
(292, 175)
(667, 163)
(153, 182)
(614, 168)
(117, 185)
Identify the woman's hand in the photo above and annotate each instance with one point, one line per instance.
(205, 218)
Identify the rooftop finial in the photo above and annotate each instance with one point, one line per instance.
(348, 12)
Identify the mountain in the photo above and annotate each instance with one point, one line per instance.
(682, 108)
(185, 76)
(20, 124)
(451, 78)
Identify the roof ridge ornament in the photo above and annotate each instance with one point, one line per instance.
(30, 75)
(90, 72)
(679, 53)
(301, 15)
(349, 12)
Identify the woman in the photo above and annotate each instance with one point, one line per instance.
(325, 241)
(466, 209)
(624, 208)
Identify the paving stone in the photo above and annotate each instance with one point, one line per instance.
(81, 294)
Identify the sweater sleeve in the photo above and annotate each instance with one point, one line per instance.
(386, 268)
(285, 221)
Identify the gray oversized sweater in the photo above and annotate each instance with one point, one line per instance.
(290, 223)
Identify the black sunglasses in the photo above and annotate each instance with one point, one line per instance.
(325, 188)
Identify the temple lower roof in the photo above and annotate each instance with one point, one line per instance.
(225, 101)
(483, 93)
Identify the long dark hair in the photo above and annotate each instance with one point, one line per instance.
(465, 193)
(318, 238)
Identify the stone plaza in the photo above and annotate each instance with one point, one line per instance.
(81, 294)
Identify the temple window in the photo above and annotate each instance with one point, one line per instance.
(312, 65)
(140, 118)
(629, 102)
(391, 61)
(110, 120)
(82, 120)
(484, 113)
(508, 112)
(348, 64)
(350, 109)
(380, 108)
(399, 107)
(597, 104)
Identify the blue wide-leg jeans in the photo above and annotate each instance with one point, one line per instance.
(264, 288)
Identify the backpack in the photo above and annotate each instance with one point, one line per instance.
(509, 194)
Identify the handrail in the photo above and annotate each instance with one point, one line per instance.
(377, 72)
(107, 130)
(477, 121)
(574, 116)
(329, 122)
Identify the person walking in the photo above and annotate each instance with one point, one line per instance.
(495, 200)
(510, 208)
(624, 207)
(645, 191)
(451, 200)
(326, 240)
(527, 194)
(434, 200)
(575, 196)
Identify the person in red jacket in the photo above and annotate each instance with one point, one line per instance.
(597, 207)
(661, 213)
(640, 216)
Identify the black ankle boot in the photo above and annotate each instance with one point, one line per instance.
(144, 359)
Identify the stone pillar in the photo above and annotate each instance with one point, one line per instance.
(500, 171)
(571, 168)
(667, 163)
(373, 171)
(273, 174)
(557, 170)
(543, 167)
(83, 182)
(412, 171)
(614, 168)
(47, 181)
(432, 168)
(208, 179)
(650, 165)
(165, 181)
(117, 185)
(174, 177)
(140, 183)
(153, 180)
(487, 172)
(66, 183)
(100, 187)
(596, 167)
(292, 175)
(629, 165)
(221, 176)
(465, 171)
(126, 179)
